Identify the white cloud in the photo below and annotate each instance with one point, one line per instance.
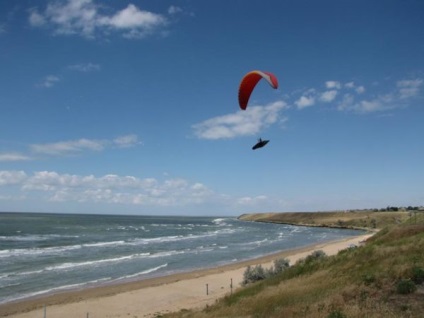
(252, 201)
(333, 84)
(367, 106)
(126, 141)
(396, 98)
(328, 96)
(346, 102)
(243, 123)
(174, 10)
(12, 177)
(305, 101)
(350, 85)
(379, 103)
(357, 89)
(360, 89)
(85, 17)
(85, 67)
(409, 88)
(131, 18)
(49, 81)
(36, 19)
(13, 156)
(68, 147)
(109, 188)
(73, 147)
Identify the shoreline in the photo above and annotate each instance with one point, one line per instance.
(152, 296)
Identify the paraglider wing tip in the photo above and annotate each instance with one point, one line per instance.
(273, 80)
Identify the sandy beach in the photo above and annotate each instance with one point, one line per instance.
(150, 297)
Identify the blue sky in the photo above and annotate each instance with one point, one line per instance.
(130, 107)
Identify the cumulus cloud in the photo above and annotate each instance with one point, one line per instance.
(305, 101)
(242, 123)
(12, 177)
(51, 186)
(36, 19)
(108, 188)
(332, 84)
(398, 97)
(354, 97)
(328, 96)
(87, 18)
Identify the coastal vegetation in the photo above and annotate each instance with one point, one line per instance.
(382, 278)
(363, 219)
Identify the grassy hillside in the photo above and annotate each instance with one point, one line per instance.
(355, 219)
(383, 278)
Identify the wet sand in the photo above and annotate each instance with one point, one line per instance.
(150, 297)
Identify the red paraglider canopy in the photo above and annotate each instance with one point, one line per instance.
(249, 82)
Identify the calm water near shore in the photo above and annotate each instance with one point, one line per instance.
(44, 253)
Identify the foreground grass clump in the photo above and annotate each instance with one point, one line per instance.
(383, 278)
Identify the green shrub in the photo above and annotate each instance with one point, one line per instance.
(336, 314)
(418, 275)
(405, 286)
(253, 274)
(280, 265)
(315, 255)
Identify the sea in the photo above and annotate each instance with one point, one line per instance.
(42, 254)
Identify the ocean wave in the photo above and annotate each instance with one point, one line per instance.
(219, 221)
(175, 238)
(9, 285)
(54, 289)
(37, 250)
(55, 249)
(71, 265)
(35, 237)
(258, 242)
(161, 239)
(166, 254)
(100, 244)
(147, 271)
